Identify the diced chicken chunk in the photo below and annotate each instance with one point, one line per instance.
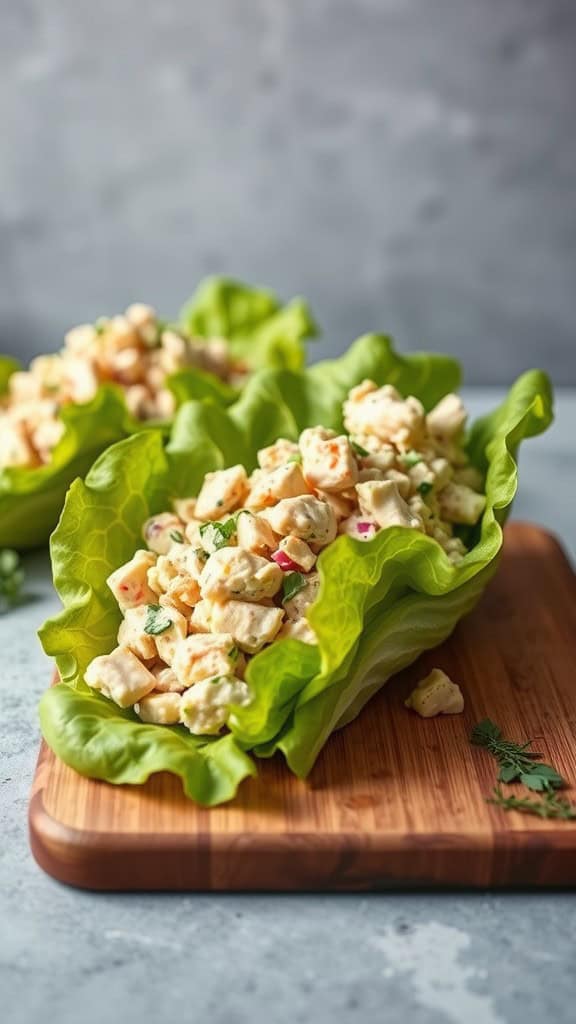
(120, 676)
(222, 491)
(234, 573)
(15, 448)
(185, 509)
(255, 534)
(277, 454)
(267, 488)
(205, 707)
(380, 501)
(200, 620)
(160, 532)
(446, 420)
(132, 636)
(168, 641)
(251, 625)
(460, 504)
(298, 629)
(129, 583)
(203, 656)
(160, 708)
(382, 412)
(166, 680)
(305, 517)
(328, 462)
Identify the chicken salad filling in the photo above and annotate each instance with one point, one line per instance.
(234, 569)
(134, 350)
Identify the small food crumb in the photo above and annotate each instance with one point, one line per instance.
(436, 695)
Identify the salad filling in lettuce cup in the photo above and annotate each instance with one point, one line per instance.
(245, 588)
(122, 373)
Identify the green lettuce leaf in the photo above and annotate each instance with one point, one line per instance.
(261, 332)
(380, 604)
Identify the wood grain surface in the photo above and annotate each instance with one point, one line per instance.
(394, 800)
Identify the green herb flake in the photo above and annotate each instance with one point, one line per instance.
(233, 653)
(359, 450)
(424, 488)
(101, 325)
(292, 584)
(297, 457)
(157, 620)
(549, 806)
(411, 459)
(177, 536)
(217, 535)
(11, 577)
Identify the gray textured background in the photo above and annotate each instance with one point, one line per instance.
(409, 165)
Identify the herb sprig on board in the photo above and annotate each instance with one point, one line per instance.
(518, 763)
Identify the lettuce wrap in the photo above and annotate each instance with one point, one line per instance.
(380, 603)
(261, 333)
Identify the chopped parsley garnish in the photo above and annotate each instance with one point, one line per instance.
(217, 535)
(233, 653)
(177, 536)
(101, 325)
(297, 457)
(359, 449)
(292, 584)
(424, 488)
(157, 620)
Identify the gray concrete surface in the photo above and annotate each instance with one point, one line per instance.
(409, 165)
(428, 958)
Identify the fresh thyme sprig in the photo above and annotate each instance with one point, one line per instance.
(517, 762)
(548, 806)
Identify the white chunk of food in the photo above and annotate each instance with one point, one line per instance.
(328, 461)
(166, 680)
(298, 629)
(255, 534)
(359, 527)
(15, 448)
(160, 531)
(222, 491)
(160, 708)
(251, 625)
(120, 676)
(446, 420)
(185, 509)
(436, 695)
(167, 641)
(298, 552)
(132, 636)
(379, 500)
(306, 517)
(383, 413)
(205, 707)
(277, 454)
(232, 573)
(129, 583)
(460, 504)
(203, 656)
(267, 488)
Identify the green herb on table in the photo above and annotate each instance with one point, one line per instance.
(157, 620)
(11, 577)
(517, 762)
(548, 806)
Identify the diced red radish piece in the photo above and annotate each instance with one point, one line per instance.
(285, 563)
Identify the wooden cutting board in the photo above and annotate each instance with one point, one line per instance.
(394, 800)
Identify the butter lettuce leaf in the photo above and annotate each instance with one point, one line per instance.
(260, 331)
(380, 604)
